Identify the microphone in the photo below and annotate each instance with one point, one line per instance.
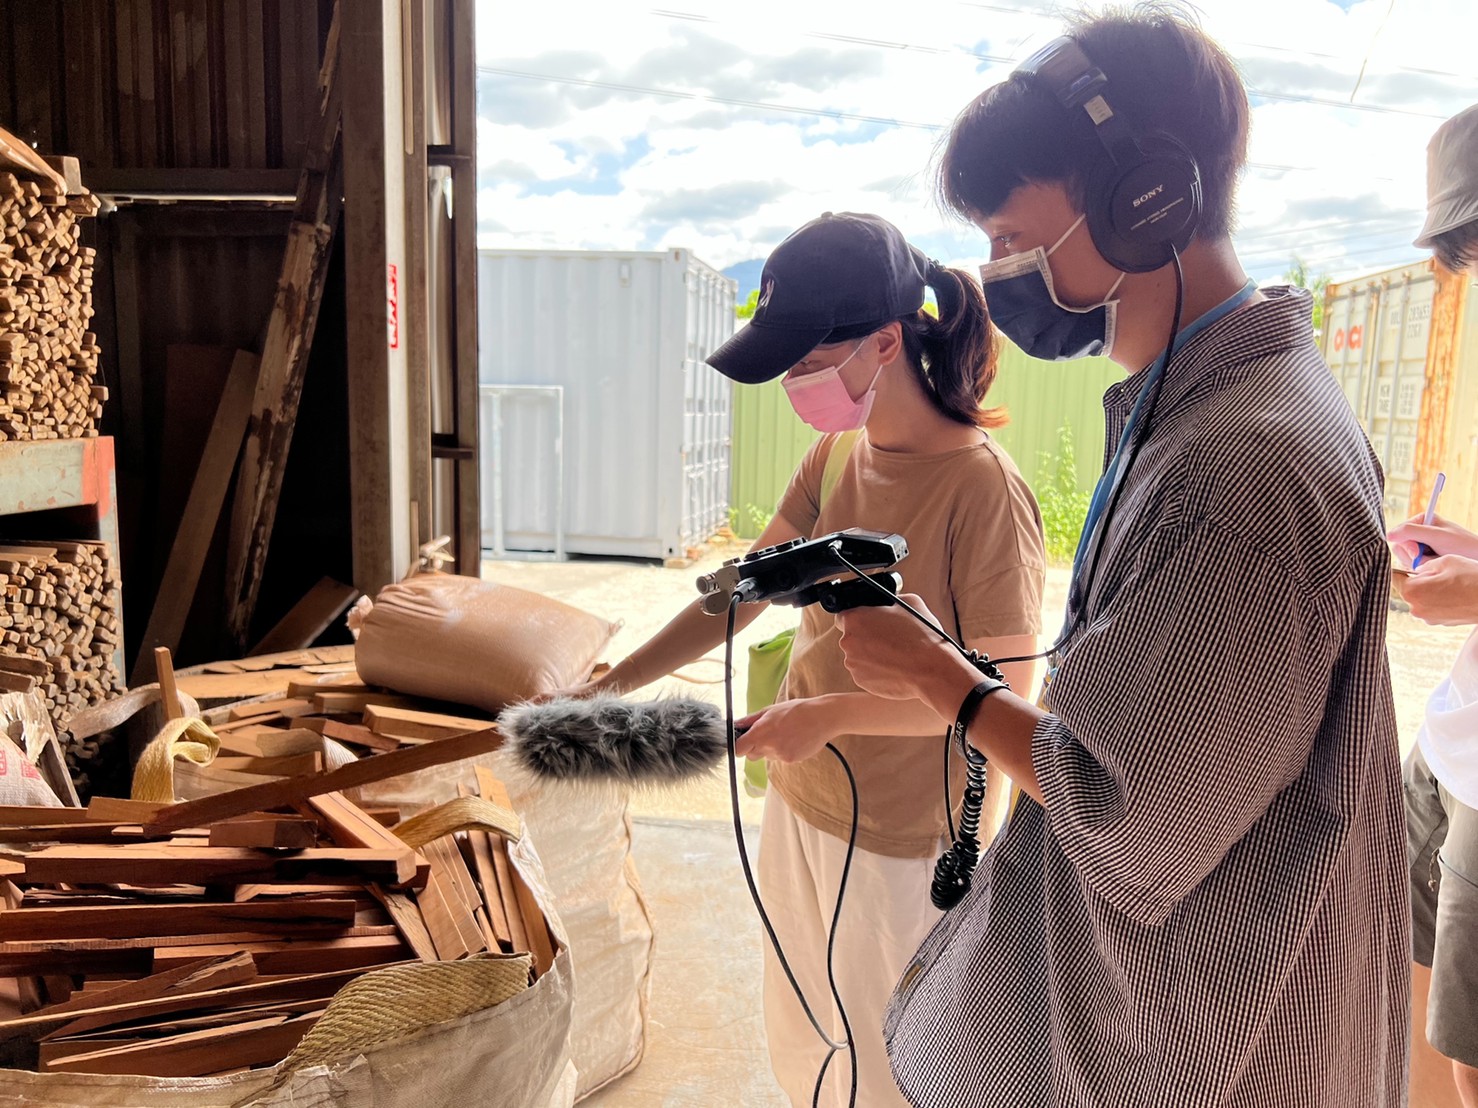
(606, 740)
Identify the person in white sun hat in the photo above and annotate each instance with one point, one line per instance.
(1441, 772)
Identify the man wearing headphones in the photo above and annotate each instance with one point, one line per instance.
(1199, 899)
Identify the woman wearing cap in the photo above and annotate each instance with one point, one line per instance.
(840, 316)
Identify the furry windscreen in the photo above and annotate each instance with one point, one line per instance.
(608, 740)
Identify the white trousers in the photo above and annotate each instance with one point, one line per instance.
(885, 916)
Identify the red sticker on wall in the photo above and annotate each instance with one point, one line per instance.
(392, 304)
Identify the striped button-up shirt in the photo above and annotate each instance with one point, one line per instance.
(1210, 906)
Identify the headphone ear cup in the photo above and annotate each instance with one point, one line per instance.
(1138, 214)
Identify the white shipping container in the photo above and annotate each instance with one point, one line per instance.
(603, 431)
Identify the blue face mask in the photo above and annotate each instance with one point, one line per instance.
(1023, 304)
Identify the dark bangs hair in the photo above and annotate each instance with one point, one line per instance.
(1164, 76)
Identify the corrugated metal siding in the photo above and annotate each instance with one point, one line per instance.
(163, 83)
(1403, 346)
(646, 424)
(1041, 397)
(769, 442)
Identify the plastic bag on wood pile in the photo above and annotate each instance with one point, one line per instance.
(468, 641)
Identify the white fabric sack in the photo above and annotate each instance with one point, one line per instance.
(586, 849)
(512, 1055)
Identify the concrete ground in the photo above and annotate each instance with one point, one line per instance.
(706, 1042)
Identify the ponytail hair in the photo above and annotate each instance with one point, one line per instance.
(954, 355)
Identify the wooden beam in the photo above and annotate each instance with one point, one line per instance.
(274, 794)
(131, 921)
(277, 832)
(204, 181)
(375, 260)
(308, 618)
(250, 1043)
(273, 959)
(405, 723)
(202, 513)
(152, 865)
(285, 351)
(307, 987)
(198, 975)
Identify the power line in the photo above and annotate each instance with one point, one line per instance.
(1054, 13)
(1407, 234)
(1392, 224)
(708, 98)
(893, 44)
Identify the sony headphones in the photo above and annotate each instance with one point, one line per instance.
(1141, 205)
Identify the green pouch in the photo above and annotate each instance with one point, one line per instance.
(768, 662)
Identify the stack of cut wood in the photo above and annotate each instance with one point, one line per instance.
(210, 936)
(48, 358)
(59, 628)
(304, 697)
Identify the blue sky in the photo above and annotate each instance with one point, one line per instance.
(720, 128)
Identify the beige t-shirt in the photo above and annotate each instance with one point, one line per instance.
(975, 555)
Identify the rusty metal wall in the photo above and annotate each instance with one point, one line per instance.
(158, 84)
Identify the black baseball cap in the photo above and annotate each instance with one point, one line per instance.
(841, 276)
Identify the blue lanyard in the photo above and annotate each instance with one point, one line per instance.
(1103, 491)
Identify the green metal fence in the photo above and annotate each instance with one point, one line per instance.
(1041, 397)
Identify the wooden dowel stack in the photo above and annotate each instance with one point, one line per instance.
(48, 358)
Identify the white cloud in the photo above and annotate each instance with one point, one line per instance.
(1340, 186)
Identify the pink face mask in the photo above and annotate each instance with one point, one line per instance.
(822, 399)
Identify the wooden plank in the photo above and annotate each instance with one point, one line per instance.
(354, 733)
(487, 878)
(338, 681)
(197, 975)
(409, 723)
(202, 512)
(308, 618)
(329, 702)
(128, 960)
(255, 1042)
(518, 931)
(274, 794)
(194, 379)
(356, 891)
(515, 896)
(279, 832)
(440, 909)
(284, 766)
(272, 917)
(23, 664)
(234, 686)
(89, 865)
(72, 833)
(304, 987)
(402, 909)
(112, 809)
(301, 956)
(285, 351)
(350, 826)
(263, 741)
(18, 815)
(287, 707)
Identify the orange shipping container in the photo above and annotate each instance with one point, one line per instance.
(1403, 344)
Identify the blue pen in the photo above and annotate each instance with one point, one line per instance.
(1422, 549)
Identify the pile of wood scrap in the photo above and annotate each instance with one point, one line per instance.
(209, 936)
(48, 357)
(300, 699)
(59, 628)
